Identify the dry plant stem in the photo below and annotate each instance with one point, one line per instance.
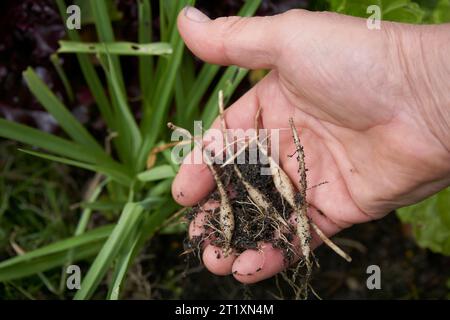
(300, 158)
(256, 126)
(287, 190)
(226, 212)
(330, 243)
(226, 215)
(223, 124)
(226, 218)
(303, 228)
(151, 160)
(242, 149)
(258, 197)
(303, 185)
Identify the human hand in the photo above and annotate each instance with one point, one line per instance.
(372, 107)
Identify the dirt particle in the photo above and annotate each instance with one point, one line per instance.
(180, 195)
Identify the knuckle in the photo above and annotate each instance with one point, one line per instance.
(329, 15)
(231, 26)
(296, 14)
(293, 14)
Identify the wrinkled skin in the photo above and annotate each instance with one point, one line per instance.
(371, 108)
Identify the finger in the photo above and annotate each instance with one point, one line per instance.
(243, 41)
(216, 262)
(255, 265)
(198, 228)
(194, 181)
(213, 257)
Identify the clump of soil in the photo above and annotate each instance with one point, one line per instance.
(255, 201)
(252, 224)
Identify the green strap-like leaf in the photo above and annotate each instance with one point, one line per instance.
(54, 255)
(130, 217)
(157, 173)
(115, 48)
(105, 33)
(146, 76)
(112, 171)
(89, 73)
(209, 71)
(127, 127)
(228, 83)
(62, 115)
(54, 144)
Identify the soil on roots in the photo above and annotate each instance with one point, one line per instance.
(253, 225)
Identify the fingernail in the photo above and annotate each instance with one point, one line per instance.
(253, 263)
(195, 15)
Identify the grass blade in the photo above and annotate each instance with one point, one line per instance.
(204, 79)
(161, 188)
(121, 267)
(209, 71)
(54, 144)
(228, 83)
(129, 219)
(93, 192)
(152, 224)
(115, 48)
(103, 205)
(60, 246)
(157, 173)
(145, 63)
(249, 8)
(128, 129)
(54, 255)
(114, 173)
(89, 73)
(124, 143)
(87, 211)
(105, 34)
(47, 263)
(54, 106)
(156, 220)
(78, 155)
(54, 58)
(183, 86)
(153, 120)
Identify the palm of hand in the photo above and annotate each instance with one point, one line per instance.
(373, 149)
(333, 199)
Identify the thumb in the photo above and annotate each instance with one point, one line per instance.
(246, 42)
